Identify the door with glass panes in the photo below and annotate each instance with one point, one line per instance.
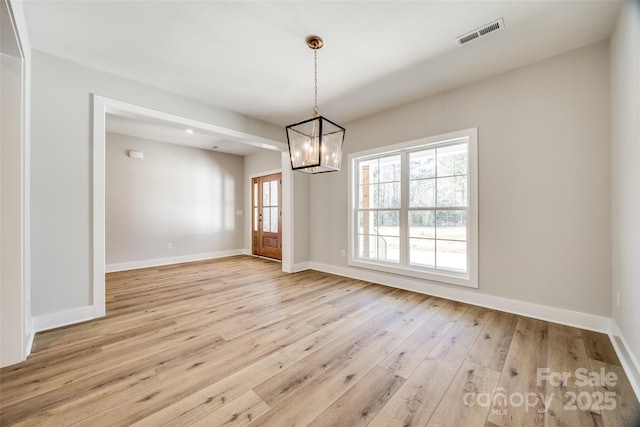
(267, 216)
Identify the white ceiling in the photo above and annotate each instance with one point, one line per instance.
(251, 57)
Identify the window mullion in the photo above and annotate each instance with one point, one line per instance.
(355, 202)
(404, 211)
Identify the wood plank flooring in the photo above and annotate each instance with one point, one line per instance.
(235, 342)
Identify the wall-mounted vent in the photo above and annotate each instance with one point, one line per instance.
(484, 30)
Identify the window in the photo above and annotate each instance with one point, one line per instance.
(413, 208)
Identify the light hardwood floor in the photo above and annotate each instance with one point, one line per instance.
(235, 341)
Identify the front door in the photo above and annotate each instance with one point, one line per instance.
(267, 216)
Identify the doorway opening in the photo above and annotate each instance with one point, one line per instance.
(266, 211)
(103, 106)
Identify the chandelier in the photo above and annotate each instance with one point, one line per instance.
(315, 144)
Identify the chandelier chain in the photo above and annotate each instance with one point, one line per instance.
(315, 83)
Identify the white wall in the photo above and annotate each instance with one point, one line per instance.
(180, 195)
(625, 166)
(61, 169)
(544, 181)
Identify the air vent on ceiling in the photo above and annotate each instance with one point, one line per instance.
(484, 30)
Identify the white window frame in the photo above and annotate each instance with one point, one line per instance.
(470, 278)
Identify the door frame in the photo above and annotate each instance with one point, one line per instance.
(281, 205)
(103, 106)
(15, 304)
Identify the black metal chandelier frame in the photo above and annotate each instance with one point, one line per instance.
(315, 144)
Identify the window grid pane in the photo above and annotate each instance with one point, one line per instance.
(379, 183)
(451, 255)
(265, 194)
(422, 164)
(422, 193)
(379, 235)
(274, 193)
(266, 220)
(451, 225)
(255, 219)
(451, 191)
(422, 252)
(452, 160)
(255, 194)
(274, 220)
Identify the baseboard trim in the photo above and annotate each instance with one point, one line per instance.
(301, 266)
(134, 265)
(267, 258)
(537, 311)
(29, 346)
(63, 318)
(627, 358)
